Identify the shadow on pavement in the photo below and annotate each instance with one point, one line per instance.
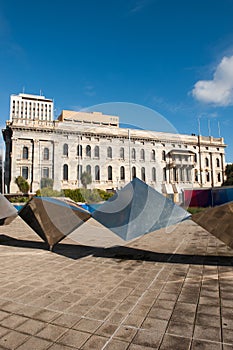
(120, 253)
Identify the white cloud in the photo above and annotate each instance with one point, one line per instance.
(219, 90)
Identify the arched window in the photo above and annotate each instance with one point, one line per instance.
(65, 172)
(46, 154)
(153, 154)
(79, 171)
(143, 174)
(153, 174)
(219, 177)
(207, 177)
(109, 173)
(65, 150)
(164, 174)
(163, 155)
(142, 154)
(122, 153)
(133, 153)
(88, 169)
(25, 172)
(25, 152)
(122, 173)
(217, 162)
(79, 151)
(97, 173)
(134, 174)
(109, 152)
(96, 152)
(88, 151)
(206, 162)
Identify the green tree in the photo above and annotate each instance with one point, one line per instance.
(86, 179)
(229, 175)
(22, 184)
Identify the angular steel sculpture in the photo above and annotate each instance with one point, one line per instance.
(53, 218)
(138, 209)
(7, 211)
(218, 221)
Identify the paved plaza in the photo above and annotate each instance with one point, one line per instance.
(166, 290)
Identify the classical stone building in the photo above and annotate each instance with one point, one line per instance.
(39, 147)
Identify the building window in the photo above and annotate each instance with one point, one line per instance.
(133, 153)
(163, 155)
(109, 152)
(109, 173)
(217, 162)
(207, 162)
(122, 153)
(88, 169)
(188, 177)
(219, 177)
(88, 151)
(134, 174)
(46, 154)
(25, 172)
(25, 152)
(45, 173)
(153, 174)
(79, 151)
(142, 154)
(175, 174)
(65, 150)
(122, 173)
(79, 171)
(207, 177)
(97, 173)
(196, 175)
(143, 174)
(153, 154)
(195, 158)
(65, 172)
(164, 174)
(97, 152)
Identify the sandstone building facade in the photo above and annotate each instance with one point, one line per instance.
(39, 147)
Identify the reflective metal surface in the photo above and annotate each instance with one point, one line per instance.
(53, 218)
(138, 209)
(218, 221)
(7, 211)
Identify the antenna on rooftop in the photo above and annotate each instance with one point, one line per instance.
(199, 125)
(40, 92)
(209, 127)
(23, 89)
(219, 130)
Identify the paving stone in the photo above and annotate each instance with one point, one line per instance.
(51, 332)
(207, 333)
(148, 338)
(74, 338)
(35, 343)
(31, 326)
(180, 329)
(116, 345)
(12, 340)
(95, 343)
(87, 325)
(13, 321)
(173, 342)
(203, 345)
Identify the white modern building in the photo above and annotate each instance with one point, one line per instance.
(39, 147)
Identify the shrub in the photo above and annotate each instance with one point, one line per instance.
(46, 182)
(22, 184)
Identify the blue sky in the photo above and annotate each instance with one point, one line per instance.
(175, 57)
